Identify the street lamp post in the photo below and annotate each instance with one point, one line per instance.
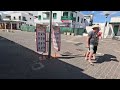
(49, 53)
(105, 23)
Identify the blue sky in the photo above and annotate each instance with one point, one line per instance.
(99, 15)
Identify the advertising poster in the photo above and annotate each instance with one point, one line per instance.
(41, 38)
(56, 37)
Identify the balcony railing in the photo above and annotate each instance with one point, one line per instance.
(67, 18)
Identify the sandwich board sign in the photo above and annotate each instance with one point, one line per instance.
(56, 37)
(41, 38)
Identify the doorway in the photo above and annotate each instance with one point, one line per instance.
(116, 29)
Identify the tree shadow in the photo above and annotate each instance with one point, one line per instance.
(106, 58)
(19, 62)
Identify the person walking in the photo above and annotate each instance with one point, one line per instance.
(92, 43)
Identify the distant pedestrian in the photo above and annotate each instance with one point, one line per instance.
(92, 43)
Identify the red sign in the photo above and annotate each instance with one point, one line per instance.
(56, 37)
(66, 21)
(41, 38)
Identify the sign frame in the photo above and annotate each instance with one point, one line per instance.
(54, 41)
(40, 27)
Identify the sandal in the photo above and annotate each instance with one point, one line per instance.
(86, 58)
(90, 62)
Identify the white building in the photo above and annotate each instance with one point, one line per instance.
(112, 28)
(89, 20)
(73, 19)
(18, 17)
(115, 25)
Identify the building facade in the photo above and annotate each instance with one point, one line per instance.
(17, 18)
(73, 19)
(115, 23)
(88, 20)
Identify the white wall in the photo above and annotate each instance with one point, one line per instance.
(88, 18)
(81, 16)
(58, 20)
(88, 28)
(59, 14)
(29, 21)
(25, 14)
(101, 25)
(118, 31)
(86, 23)
(115, 19)
(16, 15)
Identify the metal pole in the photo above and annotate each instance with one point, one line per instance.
(49, 53)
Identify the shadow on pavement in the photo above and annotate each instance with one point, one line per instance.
(18, 62)
(69, 55)
(106, 58)
(78, 44)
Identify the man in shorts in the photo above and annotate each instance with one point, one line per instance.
(92, 43)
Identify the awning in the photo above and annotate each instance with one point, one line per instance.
(114, 22)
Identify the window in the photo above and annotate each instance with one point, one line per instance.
(54, 15)
(46, 15)
(24, 19)
(19, 17)
(78, 19)
(71, 14)
(39, 17)
(65, 13)
(81, 20)
(9, 17)
(14, 18)
(74, 19)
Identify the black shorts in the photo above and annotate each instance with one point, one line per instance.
(93, 49)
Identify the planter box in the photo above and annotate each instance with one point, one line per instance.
(68, 33)
(65, 33)
(72, 34)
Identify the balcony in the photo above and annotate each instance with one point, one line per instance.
(68, 18)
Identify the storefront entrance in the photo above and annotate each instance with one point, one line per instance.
(116, 27)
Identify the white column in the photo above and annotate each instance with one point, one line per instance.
(11, 26)
(5, 27)
(118, 34)
(17, 26)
